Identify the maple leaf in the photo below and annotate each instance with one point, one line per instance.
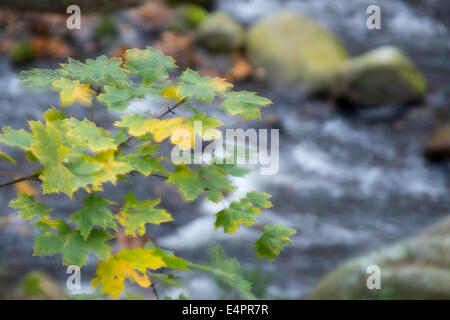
(151, 64)
(208, 178)
(16, 138)
(28, 208)
(71, 245)
(56, 179)
(84, 171)
(244, 103)
(112, 166)
(135, 214)
(136, 124)
(112, 272)
(39, 77)
(243, 211)
(48, 146)
(97, 138)
(230, 271)
(145, 165)
(190, 184)
(95, 212)
(202, 88)
(273, 240)
(239, 212)
(72, 91)
(53, 114)
(115, 98)
(100, 69)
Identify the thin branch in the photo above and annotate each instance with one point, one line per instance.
(171, 109)
(155, 292)
(34, 177)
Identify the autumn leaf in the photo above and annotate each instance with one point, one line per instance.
(273, 240)
(202, 88)
(72, 91)
(126, 264)
(244, 103)
(135, 214)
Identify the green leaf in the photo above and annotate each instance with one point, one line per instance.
(96, 243)
(172, 261)
(39, 77)
(189, 182)
(230, 271)
(239, 212)
(29, 208)
(84, 171)
(215, 182)
(115, 98)
(201, 88)
(95, 212)
(16, 138)
(260, 199)
(57, 179)
(273, 240)
(100, 69)
(145, 165)
(48, 147)
(135, 214)
(97, 138)
(47, 245)
(151, 64)
(74, 250)
(244, 103)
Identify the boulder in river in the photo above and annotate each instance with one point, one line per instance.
(417, 268)
(437, 146)
(220, 33)
(384, 76)
(293, 49)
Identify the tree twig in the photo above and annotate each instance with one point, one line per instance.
(155, 292)
(170, 109)
(34, 177)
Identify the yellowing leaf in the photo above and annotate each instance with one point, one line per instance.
(171, 92)
(131, 264)
(72, 91)
(202, 88)
(135, 214)
(7, 157)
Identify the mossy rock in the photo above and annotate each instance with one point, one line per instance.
(418, 268)
(207, 4)
(384, 76)
(107, 29)
(437, 146)
(293, 49)
(188, 17)
(220, 33)
(22, 52)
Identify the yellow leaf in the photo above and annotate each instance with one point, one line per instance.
(131, 264)
(221, 85)
(171, 93)
(72, 91)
